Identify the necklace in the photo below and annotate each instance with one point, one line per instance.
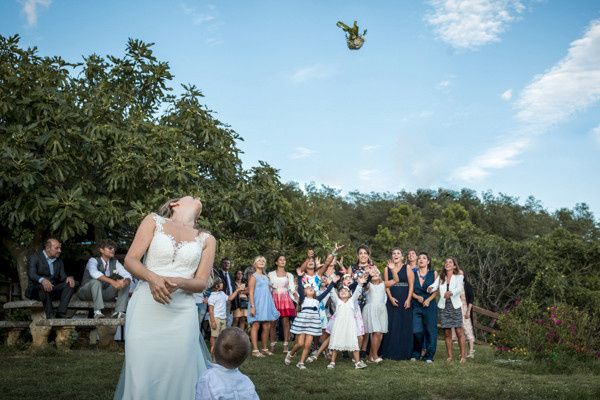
(422, 276)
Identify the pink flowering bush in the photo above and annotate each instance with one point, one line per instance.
(559, 331)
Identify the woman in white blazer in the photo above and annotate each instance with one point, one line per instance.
(450, 283)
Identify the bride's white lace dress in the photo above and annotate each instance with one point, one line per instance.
(163, 357)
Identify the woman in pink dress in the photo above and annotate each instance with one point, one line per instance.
(283, 288)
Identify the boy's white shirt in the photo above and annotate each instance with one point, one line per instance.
(220, 383)
(219, 301)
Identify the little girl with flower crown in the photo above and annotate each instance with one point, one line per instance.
(350, 283)
(344, 335)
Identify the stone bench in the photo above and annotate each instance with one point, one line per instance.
(40, 327)
(14, 330)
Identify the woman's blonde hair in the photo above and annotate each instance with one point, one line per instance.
(256, 260)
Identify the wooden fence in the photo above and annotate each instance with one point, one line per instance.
(484, 322)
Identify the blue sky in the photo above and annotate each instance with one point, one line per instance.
(492, 95)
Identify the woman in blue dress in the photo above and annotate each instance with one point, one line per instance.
(424, 310)
(261, 307)
(398, 341)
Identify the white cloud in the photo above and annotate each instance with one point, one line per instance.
(199, 17)
(445, 84)
(419, 115)
(367, 174)
(469, 24)
(312, 72)
(370, 147)
(30, 8)
(495, 158)
(596, 133)
(211, 41)
(507, 95)
(301, 152)
(572, 85)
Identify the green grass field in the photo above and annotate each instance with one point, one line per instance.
(91, 374)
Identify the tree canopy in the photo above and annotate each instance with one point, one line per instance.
(88, 148)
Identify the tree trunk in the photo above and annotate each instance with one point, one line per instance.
(20, 253)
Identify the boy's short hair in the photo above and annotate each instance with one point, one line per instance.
(107, 243)
(216, 283)
(232, 347)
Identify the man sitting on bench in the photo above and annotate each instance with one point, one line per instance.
(104, 279)
(48, 280)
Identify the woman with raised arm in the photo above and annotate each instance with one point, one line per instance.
(362, 267)
(163, 357)
(399, 283)
(312, 270)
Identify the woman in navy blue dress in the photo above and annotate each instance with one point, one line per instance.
(398, 341)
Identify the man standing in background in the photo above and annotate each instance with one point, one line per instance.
(228, 285)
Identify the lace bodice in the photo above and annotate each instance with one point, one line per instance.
(281, 284)
(166, 257)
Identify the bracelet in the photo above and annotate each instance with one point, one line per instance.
(333, 253)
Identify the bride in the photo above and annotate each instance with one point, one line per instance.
(163, 357)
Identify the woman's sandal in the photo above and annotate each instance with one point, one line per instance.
(285, 347)
(257, 354)
(331, 365)
(266, 352)
(311, 359)
(273, 344)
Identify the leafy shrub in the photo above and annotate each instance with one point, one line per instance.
(556, 333)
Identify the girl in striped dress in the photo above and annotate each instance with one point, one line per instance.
(308, 322)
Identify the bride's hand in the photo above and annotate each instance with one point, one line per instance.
(159, 290)
(172, 284)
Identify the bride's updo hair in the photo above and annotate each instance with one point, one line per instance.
(166, 210)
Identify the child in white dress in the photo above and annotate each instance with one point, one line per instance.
(375, 315)
(344, 331)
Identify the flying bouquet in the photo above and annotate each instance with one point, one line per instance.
(354, 39)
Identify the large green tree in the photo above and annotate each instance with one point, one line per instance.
(87, 149)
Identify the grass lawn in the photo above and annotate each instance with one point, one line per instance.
(91, 374)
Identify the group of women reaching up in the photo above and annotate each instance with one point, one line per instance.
(330, 308)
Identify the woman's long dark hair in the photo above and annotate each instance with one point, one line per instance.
(365, 248)
(277, 257)
(455, 271)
